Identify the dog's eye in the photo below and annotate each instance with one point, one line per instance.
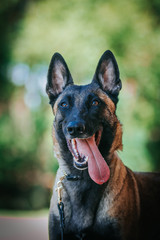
(95, 102)
(64, 104)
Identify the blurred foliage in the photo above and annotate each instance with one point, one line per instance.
(10, 14)
(81, 30)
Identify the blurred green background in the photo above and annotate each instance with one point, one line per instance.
(81, 30)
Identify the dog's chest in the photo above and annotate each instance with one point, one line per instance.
(87, 213)
(80, 204)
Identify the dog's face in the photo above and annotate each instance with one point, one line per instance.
(86, 127)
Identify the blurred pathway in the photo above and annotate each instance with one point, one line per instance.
(23, 228)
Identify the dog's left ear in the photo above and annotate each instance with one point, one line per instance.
(107, 75)
(58, 78)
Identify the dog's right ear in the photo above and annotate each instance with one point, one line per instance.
(58, 78)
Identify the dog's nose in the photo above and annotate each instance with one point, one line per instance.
(76, 128)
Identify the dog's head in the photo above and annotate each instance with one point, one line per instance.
(86, 128)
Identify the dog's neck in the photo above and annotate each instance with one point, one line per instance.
(116, 166)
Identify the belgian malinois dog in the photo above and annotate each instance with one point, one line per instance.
(108, 201)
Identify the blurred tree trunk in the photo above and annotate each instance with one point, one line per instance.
(11, 14)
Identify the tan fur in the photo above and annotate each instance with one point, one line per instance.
(125, 201)
(56, 105)
(109, 114)
(55, 108)
(107, 100)
(117, 142)
(56, 145)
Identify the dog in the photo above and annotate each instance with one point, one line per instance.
(107, 200)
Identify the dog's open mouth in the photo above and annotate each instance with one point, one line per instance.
(87, 155)
(81, 160)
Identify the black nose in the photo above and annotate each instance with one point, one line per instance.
(76, 128)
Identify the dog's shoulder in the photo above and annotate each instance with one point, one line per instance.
(148, 185)
(148, 180)
(149, 192)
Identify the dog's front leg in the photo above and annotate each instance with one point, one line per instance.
(57, 214)
(54, 227)
(55, 231)
(54, 220)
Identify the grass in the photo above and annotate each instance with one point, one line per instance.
(19, 213)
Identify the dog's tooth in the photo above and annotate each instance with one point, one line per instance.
(86, 158)
(73, 142)
(74, 147)
(75, 159)
(75, 151)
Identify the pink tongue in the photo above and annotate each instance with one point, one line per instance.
(97, 166)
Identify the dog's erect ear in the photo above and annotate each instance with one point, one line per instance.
(58, 77)
(107, 75)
